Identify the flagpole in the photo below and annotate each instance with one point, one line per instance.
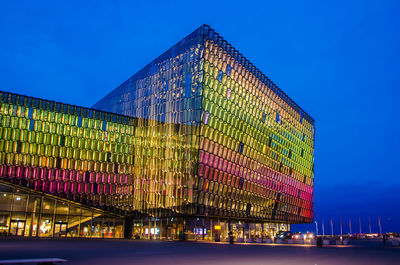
(379, 223)
(369, 224)
(350, 225)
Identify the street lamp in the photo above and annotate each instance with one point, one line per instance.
(316, 227)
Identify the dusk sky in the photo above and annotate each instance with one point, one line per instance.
(339, 60)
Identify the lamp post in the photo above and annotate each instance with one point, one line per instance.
(316, 228)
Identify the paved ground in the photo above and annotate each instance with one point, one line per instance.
(116, 252)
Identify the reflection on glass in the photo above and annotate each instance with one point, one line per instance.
(20, 201)
(5, 198)
(46, 225)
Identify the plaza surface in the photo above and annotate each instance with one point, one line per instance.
(97, 251)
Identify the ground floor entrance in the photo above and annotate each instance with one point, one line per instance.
(27, 213)
(60, 229)
(17, 228)
(211, 229)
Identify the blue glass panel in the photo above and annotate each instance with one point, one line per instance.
(241, 146)
(228, 70)
(188, 91)
(191, 56)
(278, 118)
(31, 124)
(30, 113)
(301, 116)
(220, 75)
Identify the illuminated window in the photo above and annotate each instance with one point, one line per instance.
(228, 93)
(206, 116)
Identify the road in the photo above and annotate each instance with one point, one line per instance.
(116, 252)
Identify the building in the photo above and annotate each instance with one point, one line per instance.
(201, 143)
(63, 169)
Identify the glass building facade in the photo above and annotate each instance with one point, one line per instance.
(77, 154)
(166, 97)
(256, 145)
(251, 148)
(199, 142)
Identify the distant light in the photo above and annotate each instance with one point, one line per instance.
(217, 227)
(18, 198)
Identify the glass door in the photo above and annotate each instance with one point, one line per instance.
(60, 229)
(17, 228)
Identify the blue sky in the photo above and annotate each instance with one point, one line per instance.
(339, 60)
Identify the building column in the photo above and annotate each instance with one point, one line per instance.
(128, 224)
(247, 230)
(154, 226)
(149, 228)
(203, 234)
(211, 230)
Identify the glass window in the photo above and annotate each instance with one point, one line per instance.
(97, 225)
(5, 218)
(20, 201)
(6, 194)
